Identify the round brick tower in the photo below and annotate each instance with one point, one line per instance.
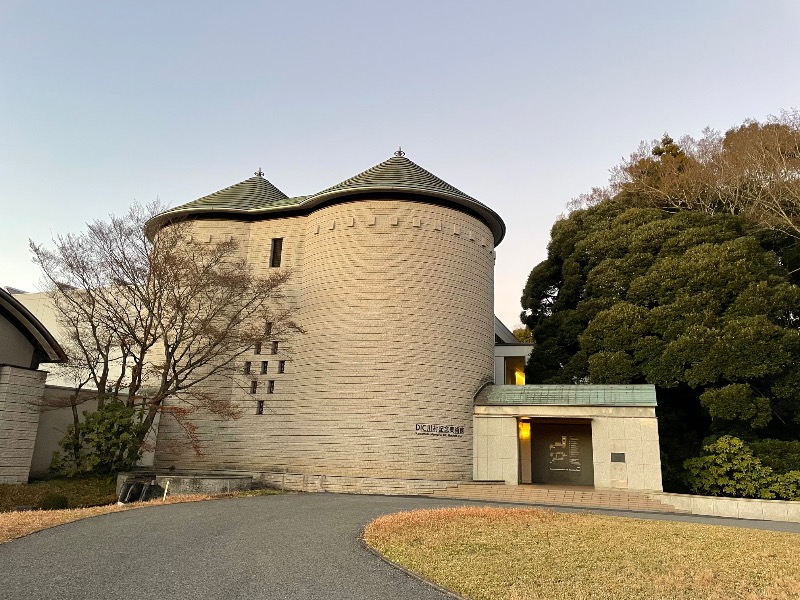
(393, 281)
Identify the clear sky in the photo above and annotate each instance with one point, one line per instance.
(523, 105)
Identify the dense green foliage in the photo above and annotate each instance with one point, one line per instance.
(523, 335)
(779, 455)
(699, 300)
(727, 467)
(632, 295)
(108, 440)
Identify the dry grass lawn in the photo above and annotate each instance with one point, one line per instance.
(511, 554)
(19, 523)
(80, 492)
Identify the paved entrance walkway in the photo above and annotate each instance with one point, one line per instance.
(270, 547)
(577, 496)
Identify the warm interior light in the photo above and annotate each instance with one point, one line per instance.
(519, 377)
(524, 430)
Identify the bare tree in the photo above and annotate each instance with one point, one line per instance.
(752, 170)
(158, 317)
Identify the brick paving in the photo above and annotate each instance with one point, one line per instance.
(580, 497)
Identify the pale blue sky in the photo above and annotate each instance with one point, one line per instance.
(522, 105)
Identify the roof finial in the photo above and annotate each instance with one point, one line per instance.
(399, 152)
(259, 173)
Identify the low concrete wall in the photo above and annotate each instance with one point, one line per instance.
(191, 484)
(204, 484)
(299, 482)
(738, 508)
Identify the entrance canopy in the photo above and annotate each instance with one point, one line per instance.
(567, 395)
(605, 436)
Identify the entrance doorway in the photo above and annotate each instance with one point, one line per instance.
(556, 451)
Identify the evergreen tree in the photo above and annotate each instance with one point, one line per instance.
(693, 302)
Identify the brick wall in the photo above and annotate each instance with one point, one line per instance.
(396, 298)
(20, 392)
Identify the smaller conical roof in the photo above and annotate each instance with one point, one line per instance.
(253, 193)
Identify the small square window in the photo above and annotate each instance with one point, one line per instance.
(264, 367)
(257, 348)
(277, 250)
(260, 407)
(281, 366)
(274, 347)
(253, 386)
(617, 457)
(270, 387)
(247, 367)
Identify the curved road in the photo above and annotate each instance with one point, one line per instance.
(265, 547)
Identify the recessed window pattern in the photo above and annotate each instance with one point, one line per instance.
(281, 366)
(264, 365)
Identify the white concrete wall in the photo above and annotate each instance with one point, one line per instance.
(500, 354)
(56, 416)
(15, 348)
(637, 438)
(495, 452)
(20, 394)
(54, 419)
(627, 429)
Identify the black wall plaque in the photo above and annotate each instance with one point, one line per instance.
(562, 453)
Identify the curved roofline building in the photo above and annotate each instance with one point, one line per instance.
(390, 387)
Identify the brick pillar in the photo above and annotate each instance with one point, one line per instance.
(21, 390)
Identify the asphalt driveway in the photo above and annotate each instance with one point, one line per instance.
(268, 547)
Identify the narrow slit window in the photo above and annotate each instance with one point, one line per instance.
(253, 386)
(247, 367)
(277, 250)
(268, 328)
(281, 366)
(260, 407)
(264, 364)
(270, 386)
(257, 348)
(274, 347)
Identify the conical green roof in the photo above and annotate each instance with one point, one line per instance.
(396, 174)
(399, 174)
(254, 193)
